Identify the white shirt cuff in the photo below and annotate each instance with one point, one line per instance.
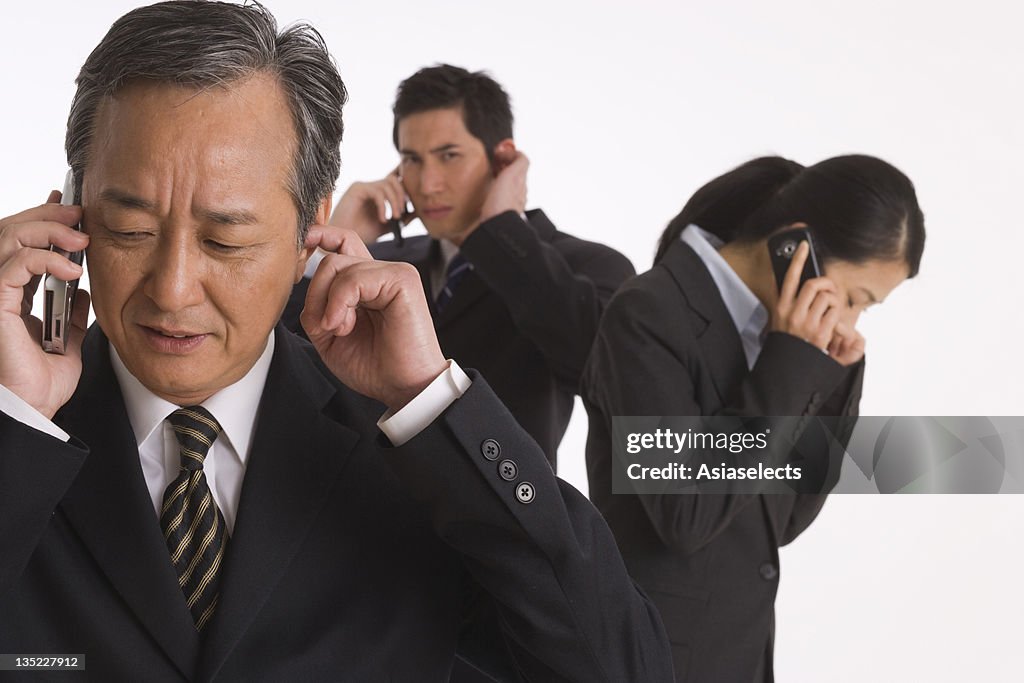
(15, 407)
(426, 407)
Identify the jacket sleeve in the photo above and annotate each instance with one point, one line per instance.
(646, 361)
(555, 294)
(36, 471)
(842, 408)
(566, 607)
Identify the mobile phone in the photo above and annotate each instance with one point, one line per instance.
(59, 295)
(396, 223)
(395, 228)
(783, 246)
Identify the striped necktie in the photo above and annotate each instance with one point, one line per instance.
(193, 526)
(457, 269)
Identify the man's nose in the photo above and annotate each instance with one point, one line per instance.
(174, 281)
(431, 179)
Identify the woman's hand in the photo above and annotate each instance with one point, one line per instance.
(810, 312)
(814, 313)
(847, 345)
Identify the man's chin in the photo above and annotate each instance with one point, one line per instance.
(182, 386)
(179, 379)
(450, 234)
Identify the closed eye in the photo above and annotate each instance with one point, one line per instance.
(129, 235)
(221, 247)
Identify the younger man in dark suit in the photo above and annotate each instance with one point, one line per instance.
(192, 494)
(511, 295)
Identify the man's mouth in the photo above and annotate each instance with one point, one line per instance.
(437, 211)
(176, 334)
(170, 340)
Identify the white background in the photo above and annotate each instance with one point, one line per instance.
(624, 112)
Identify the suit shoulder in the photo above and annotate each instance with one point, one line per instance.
(650, 307)
(651, 293)
(583, 255)
(413, 250)
(591, 255)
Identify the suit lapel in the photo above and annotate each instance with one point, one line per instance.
(719, 341)
(425, 254)
(297, 455)
(471, 288)
(721, 349)
(109, 507)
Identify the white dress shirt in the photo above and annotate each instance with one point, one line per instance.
(747, 312)
(235, 408)
(439, 270)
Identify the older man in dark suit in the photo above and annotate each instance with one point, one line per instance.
(190, 494)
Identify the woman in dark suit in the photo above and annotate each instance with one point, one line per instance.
(707, 332)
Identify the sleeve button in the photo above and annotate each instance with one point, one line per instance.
(525, 493)
(490, 449)
(508, 470)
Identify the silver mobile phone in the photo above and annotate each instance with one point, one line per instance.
(59, 295)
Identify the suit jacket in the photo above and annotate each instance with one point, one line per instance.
(667, 346)
(350, 558)
(524, 317)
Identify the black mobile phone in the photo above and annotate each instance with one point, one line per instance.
(395, 228)
(59, 295)
(783, 246)
(396, 223)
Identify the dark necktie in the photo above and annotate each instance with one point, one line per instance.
(193, 526)
(457, 269)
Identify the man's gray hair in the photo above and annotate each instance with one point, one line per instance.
(201, 44)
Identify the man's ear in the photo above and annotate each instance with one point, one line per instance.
(323, 212)
(504, 154)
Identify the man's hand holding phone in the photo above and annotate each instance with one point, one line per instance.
(370, 209)
(43, 380)
(812, 312)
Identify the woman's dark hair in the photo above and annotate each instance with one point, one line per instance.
(724, 204)
(859, 207)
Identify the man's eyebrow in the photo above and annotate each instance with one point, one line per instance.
(230, 217)
(125, 199)
(448, 147)
(221, 217)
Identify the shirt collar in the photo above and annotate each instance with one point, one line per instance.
(747, 312)
(448, 252)
(234, 406)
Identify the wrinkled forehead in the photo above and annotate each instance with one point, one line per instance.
(158, 138)
(251, 112)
